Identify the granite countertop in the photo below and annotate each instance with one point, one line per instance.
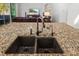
(67, 37)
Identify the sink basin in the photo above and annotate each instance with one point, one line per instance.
(48, 45)
(32, 44)
(22, 45)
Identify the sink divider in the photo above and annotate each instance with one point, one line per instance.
(35, 49)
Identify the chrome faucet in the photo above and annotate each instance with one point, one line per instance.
(43, 25)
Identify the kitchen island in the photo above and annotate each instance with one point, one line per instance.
(66, 36)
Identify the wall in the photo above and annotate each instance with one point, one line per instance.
(61, 12)
(73, 15)
(58, 10)
(24, 7)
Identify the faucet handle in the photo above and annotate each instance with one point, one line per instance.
(30, 30)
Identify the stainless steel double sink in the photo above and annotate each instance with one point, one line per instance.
(32, 44)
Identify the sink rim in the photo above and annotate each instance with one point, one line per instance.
(35, 39)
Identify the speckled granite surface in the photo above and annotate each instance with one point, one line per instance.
(67, 37)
